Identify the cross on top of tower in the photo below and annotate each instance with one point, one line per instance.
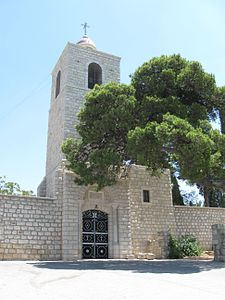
(85, 26)
(86, 42)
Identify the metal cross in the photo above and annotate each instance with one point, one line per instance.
(85, 26)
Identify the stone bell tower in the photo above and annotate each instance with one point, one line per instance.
(120, 221)
(78, 69)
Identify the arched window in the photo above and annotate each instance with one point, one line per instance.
(57, 86)
(94, 75)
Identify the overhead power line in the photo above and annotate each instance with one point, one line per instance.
(33, 92)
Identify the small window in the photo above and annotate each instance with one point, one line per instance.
(146, 197)
(94, 75)
(57, 86)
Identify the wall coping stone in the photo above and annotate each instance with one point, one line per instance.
(17, 197)
(198, 207)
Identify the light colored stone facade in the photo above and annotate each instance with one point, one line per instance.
(51, 226)
(218, 232)
(198, 222)
(73, 65)
(133, 225)
(30, 228)
(150, 220)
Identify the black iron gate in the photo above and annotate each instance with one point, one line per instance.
(95, 234)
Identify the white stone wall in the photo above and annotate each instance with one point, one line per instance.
(41, 189)
(30, 228)
(134, 227)
(77, 80)
(150, 220)
(218, 235)
(56, 123)
(112, 200)
(51, 229)
(198, 221)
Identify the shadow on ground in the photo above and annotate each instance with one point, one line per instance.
(154, 266)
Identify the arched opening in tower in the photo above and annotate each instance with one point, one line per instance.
(94, 75)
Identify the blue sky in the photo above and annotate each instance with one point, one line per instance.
(34, 33)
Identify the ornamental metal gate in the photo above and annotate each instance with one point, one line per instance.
(95, 234)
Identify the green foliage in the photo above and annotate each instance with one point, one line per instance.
(174, 248)
(176, 195)
(221, 107)
(197, 153)
(173, 75)
(184, 246)
(158, 77)
(216, 198)
(107, 116)
(12, 188)
(161, 121)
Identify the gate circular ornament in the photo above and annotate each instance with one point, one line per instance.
(95, 234)
(88, 251)
(102, 251)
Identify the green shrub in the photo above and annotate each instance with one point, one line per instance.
(184, 246)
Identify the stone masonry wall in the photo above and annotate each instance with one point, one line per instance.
(198, 221)
(73, 64)
(112, 200)
(56, 122)
(30, 228)
(77, 80)
(150, 221)
(218, 233)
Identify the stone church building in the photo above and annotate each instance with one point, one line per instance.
(97, 224)
(131, 219)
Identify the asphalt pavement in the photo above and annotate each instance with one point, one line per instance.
(112, 279)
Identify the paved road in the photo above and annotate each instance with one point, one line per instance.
(112, 279)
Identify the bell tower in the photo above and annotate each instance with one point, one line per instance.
(78, 69)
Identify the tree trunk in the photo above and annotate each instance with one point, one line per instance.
(206, 196)
(222, 120)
